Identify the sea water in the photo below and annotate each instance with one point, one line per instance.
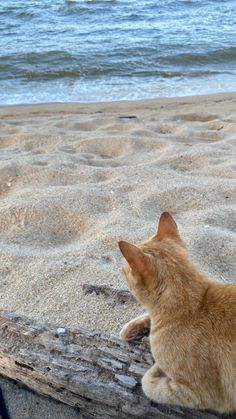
(100, 50)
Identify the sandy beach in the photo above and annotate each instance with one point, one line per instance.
(76, 178)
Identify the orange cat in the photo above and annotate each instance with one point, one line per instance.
(192, 323)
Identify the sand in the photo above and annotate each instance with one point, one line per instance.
(22, 403)
(76, 178)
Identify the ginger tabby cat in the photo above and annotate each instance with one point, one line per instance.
(192, 323)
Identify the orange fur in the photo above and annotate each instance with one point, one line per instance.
(192, 320)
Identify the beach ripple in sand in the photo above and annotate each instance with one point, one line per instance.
(74, 179)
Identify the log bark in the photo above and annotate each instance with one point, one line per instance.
(98, 375)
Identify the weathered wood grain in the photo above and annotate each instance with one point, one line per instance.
(99, 375)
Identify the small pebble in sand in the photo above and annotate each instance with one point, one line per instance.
(61, 330)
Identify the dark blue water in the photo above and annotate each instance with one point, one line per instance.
(118, 49)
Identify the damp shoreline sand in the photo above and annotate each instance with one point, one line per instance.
(76, 178)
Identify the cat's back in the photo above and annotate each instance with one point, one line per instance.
(220, 303)
(218, 313)
(211, 344)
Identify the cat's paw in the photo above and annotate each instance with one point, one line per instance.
(135, 330)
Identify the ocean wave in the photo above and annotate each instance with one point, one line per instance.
(17, 12)
(208, 57)
(138, 62)
(96, 72)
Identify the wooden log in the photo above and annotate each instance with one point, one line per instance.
(100, 376)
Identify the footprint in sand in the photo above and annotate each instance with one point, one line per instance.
(41, 227)
(90, 125)
(45, 143)
(215, 125)
(103, 152)
(194, 117)
(211, 136)
(91, 159)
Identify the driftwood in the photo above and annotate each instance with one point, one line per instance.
(100, 376)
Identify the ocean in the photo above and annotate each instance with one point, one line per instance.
(100, 50)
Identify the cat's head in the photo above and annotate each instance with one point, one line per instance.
(151, 265)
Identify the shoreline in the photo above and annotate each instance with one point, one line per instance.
(120, 103)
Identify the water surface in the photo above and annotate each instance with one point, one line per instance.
(118, 49)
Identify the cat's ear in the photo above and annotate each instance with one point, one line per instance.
(167, 227)
(136, 259)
